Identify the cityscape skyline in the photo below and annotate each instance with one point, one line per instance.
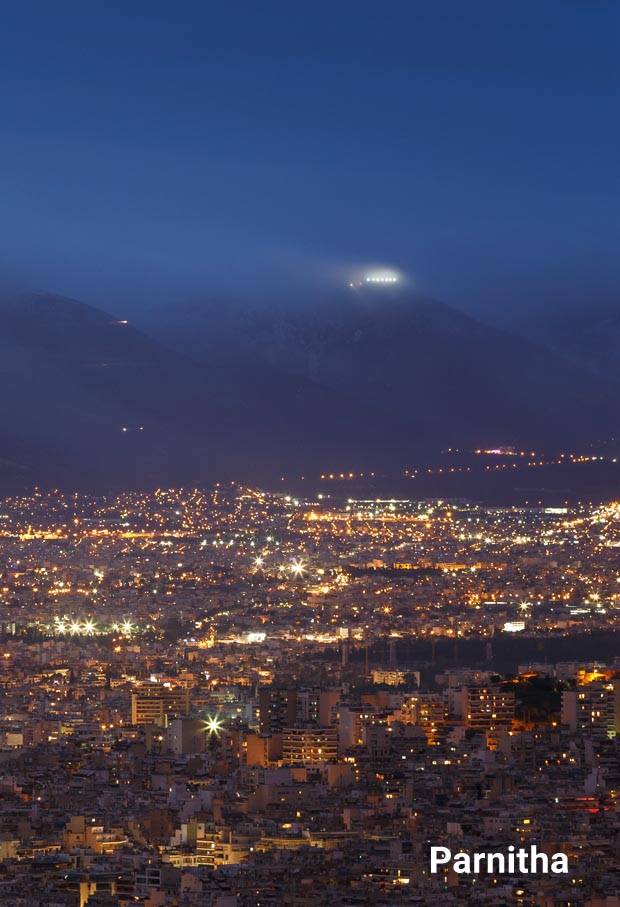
(212, 696)
(309, 463)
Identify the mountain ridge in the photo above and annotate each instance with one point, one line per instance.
(394, 347)
(253, 392)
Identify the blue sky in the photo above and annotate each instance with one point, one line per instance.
(152, 152)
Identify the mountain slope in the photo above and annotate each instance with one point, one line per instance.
(91, 399)
(589, 336)
(362, 380)
(417, 359)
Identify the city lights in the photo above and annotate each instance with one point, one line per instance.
(310, 559)
(298, 568)
(213, 725)
(278, 652)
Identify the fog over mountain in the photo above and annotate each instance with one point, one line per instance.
(405, 354)
(90, 400)
(356, 379)
(589, 335)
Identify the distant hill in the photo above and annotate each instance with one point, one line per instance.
(90, 400)
(420, 360)
(589, 336)
(356, 380)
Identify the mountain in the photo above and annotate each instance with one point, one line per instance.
(89, 400)
(363, 380)
(419, 360)
(589, 336)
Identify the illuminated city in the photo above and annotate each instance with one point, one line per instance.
(197, 680)
(309, 456)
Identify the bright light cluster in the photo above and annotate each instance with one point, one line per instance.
(75, 627)
(377, 276)
(88, 627)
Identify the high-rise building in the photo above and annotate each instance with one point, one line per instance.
(277, 707)
(488, 708)
(155, 704)
(309, 745)
(188, 735)
(317, 706)
(593, 707)
(426, 710)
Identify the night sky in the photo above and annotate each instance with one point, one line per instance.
(152, 152)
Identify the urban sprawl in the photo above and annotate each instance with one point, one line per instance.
(233, 698)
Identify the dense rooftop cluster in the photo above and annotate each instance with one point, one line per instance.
(239, 699)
